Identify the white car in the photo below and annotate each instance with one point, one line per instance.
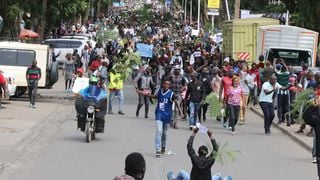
(11, 85)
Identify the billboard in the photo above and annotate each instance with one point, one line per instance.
(213, 4)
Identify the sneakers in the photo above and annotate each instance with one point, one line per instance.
(233, 133)
(170, 176)
(268, 133)
(32, 106)
(110, 112)
(314, 160)
(158, 154)
(190, 128)
(163, 150)
(225, 125)
(121, 113)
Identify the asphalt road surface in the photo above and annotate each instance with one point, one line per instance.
(60, 152)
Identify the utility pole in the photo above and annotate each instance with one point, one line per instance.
(227, 7)
(237, 9)
(185, 10)
(199, 15)
(191, 12)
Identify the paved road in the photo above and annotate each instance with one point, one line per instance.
(63, 153)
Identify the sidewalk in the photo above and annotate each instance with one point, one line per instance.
(302, 139)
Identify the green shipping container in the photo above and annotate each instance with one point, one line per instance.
(240, 37)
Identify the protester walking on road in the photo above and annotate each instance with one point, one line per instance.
(266, 98)
(235, 97)
(224, 87)
(163, 114)
(69, 69)
(135, 167)
(116, 90)
(195, 93)
(33, 75)
(178, 86)
(143, 82)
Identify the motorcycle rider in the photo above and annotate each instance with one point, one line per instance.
(92, 93)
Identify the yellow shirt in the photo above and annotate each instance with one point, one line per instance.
(116, 82)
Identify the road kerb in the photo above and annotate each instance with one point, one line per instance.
(285, 131)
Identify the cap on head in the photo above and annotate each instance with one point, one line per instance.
(80, 70)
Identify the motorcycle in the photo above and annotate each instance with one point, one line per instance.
(91, 116)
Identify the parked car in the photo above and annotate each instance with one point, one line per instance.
(65, 46)
(11, 85)
(16, 57)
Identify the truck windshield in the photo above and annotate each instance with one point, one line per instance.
(290, 57)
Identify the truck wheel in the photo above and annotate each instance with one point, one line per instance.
(54, 73)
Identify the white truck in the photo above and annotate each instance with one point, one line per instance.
(294, 45)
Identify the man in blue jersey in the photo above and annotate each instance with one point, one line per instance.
(163, 114)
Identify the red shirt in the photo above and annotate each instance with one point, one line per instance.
(260, 65)
(227, 82)
(2, 79)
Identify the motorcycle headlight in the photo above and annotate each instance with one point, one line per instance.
(90, 109)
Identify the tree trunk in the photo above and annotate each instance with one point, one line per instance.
(43, 19)
(237, 9)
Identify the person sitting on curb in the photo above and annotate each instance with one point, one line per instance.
(202, 163)
(135, 167)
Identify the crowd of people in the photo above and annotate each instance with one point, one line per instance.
(184, 75)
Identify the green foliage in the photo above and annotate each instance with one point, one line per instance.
(104, 35)
(123, 65)
(301, 102)
(224, 154)
(214, 105)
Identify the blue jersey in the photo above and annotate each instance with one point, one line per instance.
(164, 107)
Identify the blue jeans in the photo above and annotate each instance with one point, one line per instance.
(183, 175)
(161, 135)
(112, 95)
(194, 109)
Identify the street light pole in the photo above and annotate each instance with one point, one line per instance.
(199, 15)
(185, 10)
(191, 12)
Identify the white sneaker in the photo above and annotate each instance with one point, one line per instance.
(233, 133)
(33, 106)
(30, 105)
(229, 128)
(314, 160)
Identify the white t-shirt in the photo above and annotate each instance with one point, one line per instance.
(267, 86)
(79, 84)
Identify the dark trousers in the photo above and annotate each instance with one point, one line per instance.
(283, 107)
(234, 115)
(32, 91)
(202, 112)
(227, 114)
(312, 117)
(268, 113)
(143, 100)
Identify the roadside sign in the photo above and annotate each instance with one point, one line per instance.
(213, 12)
(243, 56)
(213, 4)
